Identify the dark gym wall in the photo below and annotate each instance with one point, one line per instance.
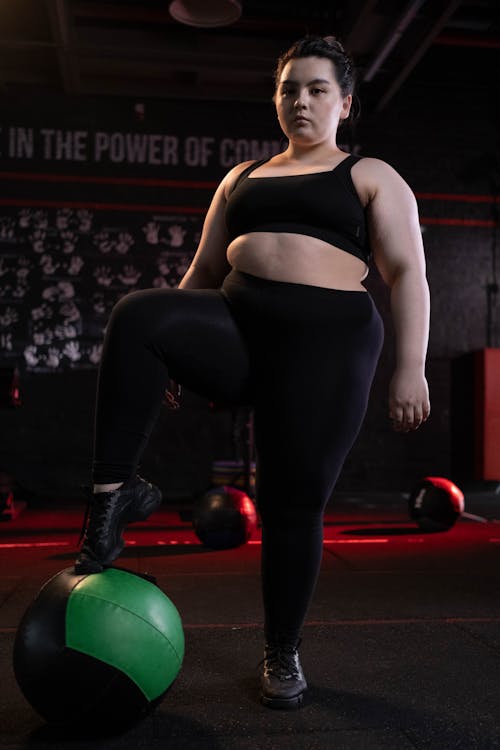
(100, 198)
(132, 228)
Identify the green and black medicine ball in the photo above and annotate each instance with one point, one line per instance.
(101, 649)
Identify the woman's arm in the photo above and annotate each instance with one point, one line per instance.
(209, 266)
(398, 252)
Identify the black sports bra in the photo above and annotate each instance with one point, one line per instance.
(320, 204)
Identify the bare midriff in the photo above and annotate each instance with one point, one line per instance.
(297, 258)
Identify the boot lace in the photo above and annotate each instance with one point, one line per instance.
(97, 518)
(280, 661)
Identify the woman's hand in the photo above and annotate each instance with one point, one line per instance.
(409, 404)
(173, 394)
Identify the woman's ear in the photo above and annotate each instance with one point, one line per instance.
(346, 105)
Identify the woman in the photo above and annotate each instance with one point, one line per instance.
(272, 313)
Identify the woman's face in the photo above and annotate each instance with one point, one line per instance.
(308, 87)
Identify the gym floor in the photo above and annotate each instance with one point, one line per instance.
(401, 648)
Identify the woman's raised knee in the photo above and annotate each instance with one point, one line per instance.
(137, 309)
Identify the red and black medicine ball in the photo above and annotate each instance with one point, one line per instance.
(224, 517)
(435, 504)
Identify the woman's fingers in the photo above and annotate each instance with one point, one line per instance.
(409, 403)
(409, 417)
(396, 414)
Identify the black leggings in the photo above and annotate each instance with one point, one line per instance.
(302, 356)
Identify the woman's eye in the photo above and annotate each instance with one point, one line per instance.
(288, 92)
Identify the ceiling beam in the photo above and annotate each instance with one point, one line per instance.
(63, 37)
(357, 19)
(392, 38)
(414, 52)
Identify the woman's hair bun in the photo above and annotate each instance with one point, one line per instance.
(334, 42)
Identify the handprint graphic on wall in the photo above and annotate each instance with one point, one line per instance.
(62, 271)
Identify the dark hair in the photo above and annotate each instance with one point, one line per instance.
(331, 48)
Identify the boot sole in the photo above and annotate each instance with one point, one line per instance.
(88, 568)
(283, 703)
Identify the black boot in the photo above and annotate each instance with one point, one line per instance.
(108, 513)
(282, 680)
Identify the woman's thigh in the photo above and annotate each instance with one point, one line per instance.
(191, 332)
(303, 436)
(309, 407)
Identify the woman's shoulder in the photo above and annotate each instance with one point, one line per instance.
(373, 164)
(233, 174)
(373, 174)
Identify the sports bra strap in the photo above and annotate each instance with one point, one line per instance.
(249, 169)
(345, 163)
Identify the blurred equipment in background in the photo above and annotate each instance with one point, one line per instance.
(225, 516)
(10, 398)
(10, 393)
(475, 417)
(239, 471)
